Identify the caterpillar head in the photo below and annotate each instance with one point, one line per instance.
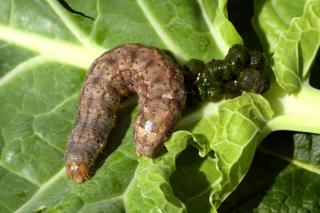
(77, 171)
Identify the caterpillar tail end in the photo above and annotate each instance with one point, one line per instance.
(77, 171)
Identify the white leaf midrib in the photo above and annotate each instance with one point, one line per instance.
(163, 35)
(216, 36)
(74, 29)
(29, 179)
(22, 67)
(57, 50)
(298, 163)
(42, 189)
(59, 105)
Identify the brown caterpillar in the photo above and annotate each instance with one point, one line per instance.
(118, 73)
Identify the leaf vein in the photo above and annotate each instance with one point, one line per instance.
(82, 38)
(43, 188)
(75, 55)
(161, 32)
(213, 31)
(22, 67)
(20, 175)
(59, 105)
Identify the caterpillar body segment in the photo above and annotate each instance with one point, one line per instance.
(118, 73)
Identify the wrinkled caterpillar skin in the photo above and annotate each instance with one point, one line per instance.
(118, 73)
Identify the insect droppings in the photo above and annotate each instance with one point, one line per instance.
(118, 73)
(239, 71)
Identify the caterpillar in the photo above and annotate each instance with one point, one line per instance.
(118, 73)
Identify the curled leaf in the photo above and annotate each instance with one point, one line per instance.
(297, 48)
(240, 128)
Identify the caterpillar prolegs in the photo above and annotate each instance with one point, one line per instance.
(118, 73)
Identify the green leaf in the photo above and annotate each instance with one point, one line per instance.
(283, 177)
(163, 24)
(45, 50)
(201, 122)
(150, 185)
(240, 128)
(195, 177)
(292, 40)
(296, 188)
(194, 180)
(297, 49)
(272, 17)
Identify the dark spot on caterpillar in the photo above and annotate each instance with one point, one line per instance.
(159, 84)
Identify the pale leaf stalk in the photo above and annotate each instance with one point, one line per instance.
(297, 112)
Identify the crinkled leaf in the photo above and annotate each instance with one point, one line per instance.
(196, 177)
(45, 49)
(284, 176)
(293, 40)
(194, 180)
(150, 185)
(296, 188)
(272, 17)
(240, 128)
(297, 48)
(201, 122)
